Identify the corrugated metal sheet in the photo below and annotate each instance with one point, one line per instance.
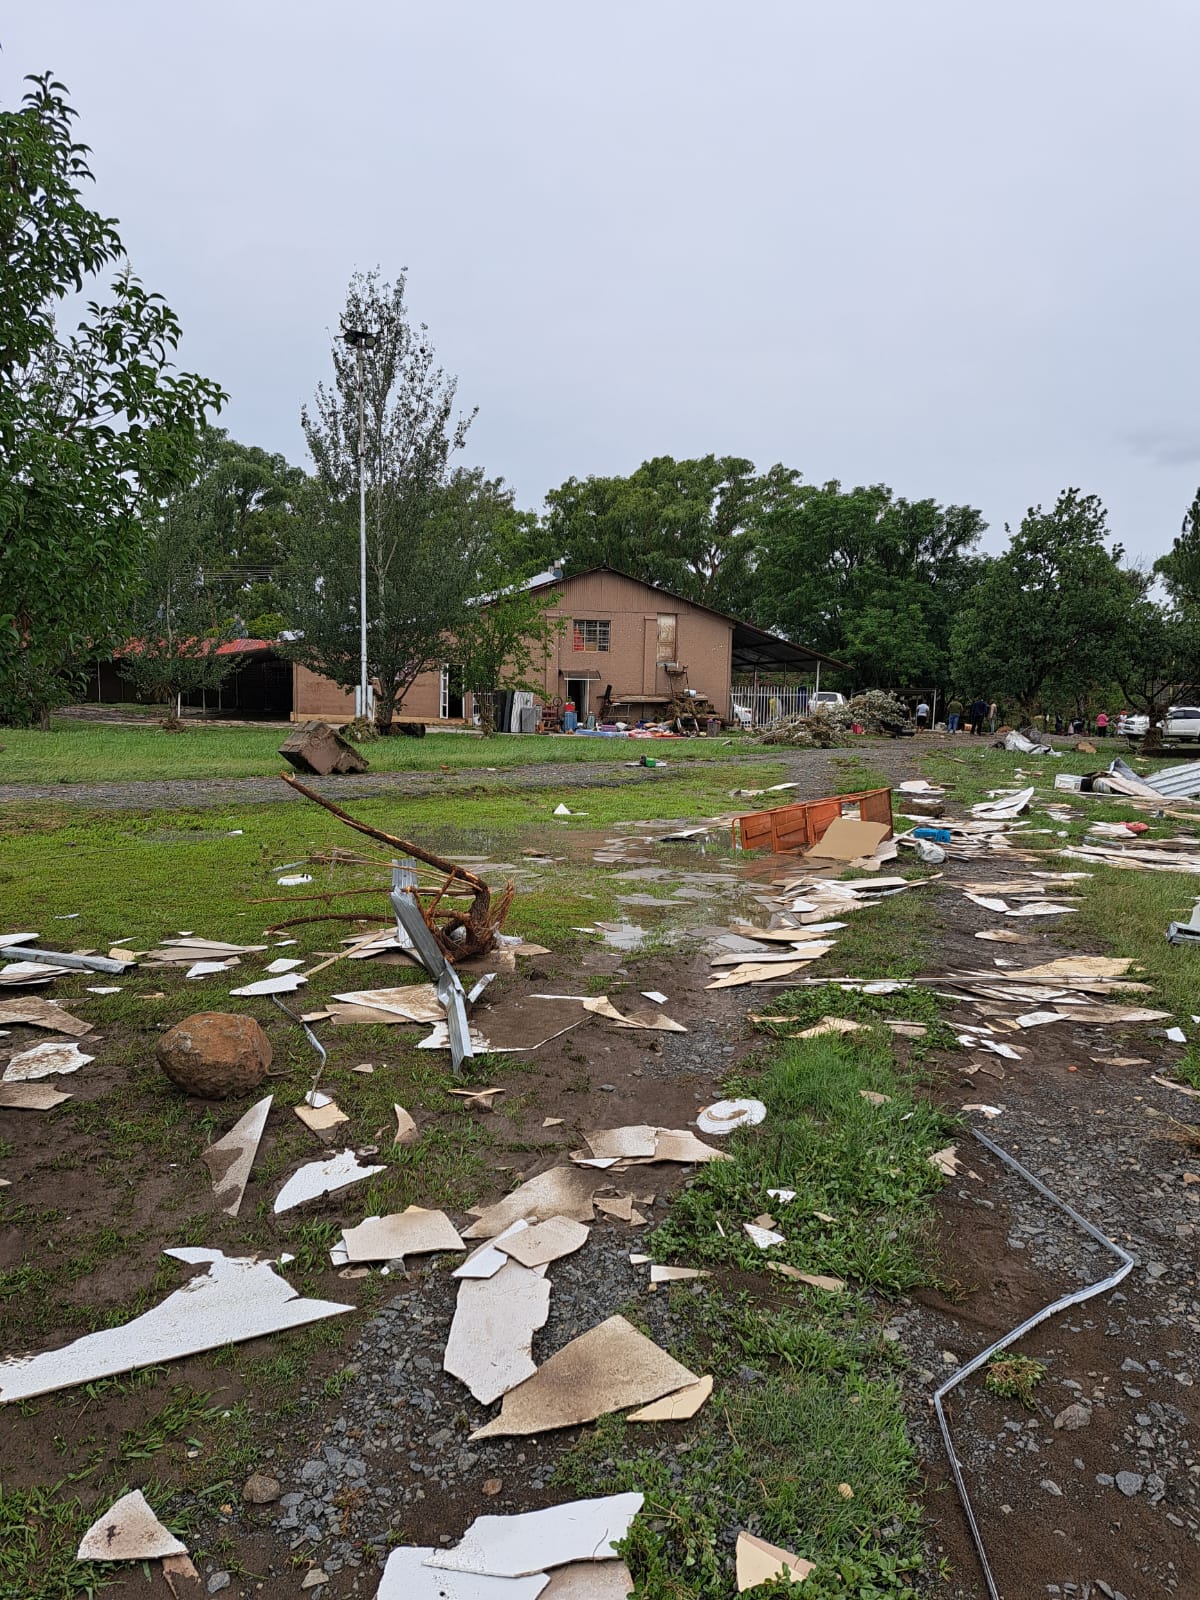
(1178, 783)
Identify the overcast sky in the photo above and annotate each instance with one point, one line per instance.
(947, 244)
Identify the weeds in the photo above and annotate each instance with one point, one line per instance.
(1014, 1378)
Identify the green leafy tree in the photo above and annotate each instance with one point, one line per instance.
(1180, 567)
(1050, 616)
(689, 526)
(1157, 655)
(869, 577)
(95, 424)
(500, 642)
(248, 498)
(178, 617)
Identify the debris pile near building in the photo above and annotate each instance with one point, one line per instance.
(875, 712)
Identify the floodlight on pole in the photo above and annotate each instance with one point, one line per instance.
(360, 339)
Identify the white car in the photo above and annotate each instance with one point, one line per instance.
(827, 697)
(1182, 724)
(1133, 724)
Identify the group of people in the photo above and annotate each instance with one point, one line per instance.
(980, 716)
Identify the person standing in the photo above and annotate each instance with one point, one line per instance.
(978, 712)
(1102, 724)
(954, 710)
(922, 715)
(993, 712)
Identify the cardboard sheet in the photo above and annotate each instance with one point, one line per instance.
(847, 838)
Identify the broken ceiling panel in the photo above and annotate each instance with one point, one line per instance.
(606, 1369)
(491, 1337)
(559, 1192)
(532, 1541)
(128, 1531)
(322, 1177)
(407, 1577)
(412, 1232)
(236, 1299)
(230, 1158)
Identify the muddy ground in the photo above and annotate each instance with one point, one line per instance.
(1108, 1508)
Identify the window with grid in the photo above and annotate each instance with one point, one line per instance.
(590, 635)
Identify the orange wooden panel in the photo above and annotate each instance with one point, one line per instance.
(792, 828)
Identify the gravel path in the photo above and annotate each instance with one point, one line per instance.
(818, 771)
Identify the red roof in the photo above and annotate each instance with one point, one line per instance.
(231, 647)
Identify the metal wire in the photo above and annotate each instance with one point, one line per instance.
(1077, 1297)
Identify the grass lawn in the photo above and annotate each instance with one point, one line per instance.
(97, 752)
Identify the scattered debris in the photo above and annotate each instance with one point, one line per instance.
(760, 1562)
(411, 1232)
(128, 1531)
(42, 1061)
(407, 1576)
(967, 1369)
(610, 1367)
(407, 1131)
(320, 1178)
(36, 1013)
(237, 1298)
(764, 1237)
(230, 1158)
(315, 747)
(547, 1241)
(659, 1274)
(677, 1407)
(532, 1541)
(29, 1097)
(559, 1192)
(491, 1337)
(946, 1161)
(815, 1280)
(725, 1116)
(319, 1112)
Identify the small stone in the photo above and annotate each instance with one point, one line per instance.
(1130, 1483)
(1049, 1485)
(218, 1581)
(1076, 1415)
(259, 1490)
(493, 1485)
(314, 1577)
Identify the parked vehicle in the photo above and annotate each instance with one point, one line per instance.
(1182, 724)
(827, 697)
(1133, 724)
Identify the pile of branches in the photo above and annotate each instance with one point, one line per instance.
(875, 712)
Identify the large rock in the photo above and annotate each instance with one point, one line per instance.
(214, 1054)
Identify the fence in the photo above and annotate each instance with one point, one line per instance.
(761, 706)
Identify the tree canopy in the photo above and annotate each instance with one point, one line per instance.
(95, 423)
(868, 577)
(689, 526)
(1046, 617)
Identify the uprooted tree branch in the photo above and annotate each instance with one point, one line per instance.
(460, 934)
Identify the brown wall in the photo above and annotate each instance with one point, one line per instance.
(703, 643)
(315, 696)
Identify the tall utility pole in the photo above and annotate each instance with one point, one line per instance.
(360, 339)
